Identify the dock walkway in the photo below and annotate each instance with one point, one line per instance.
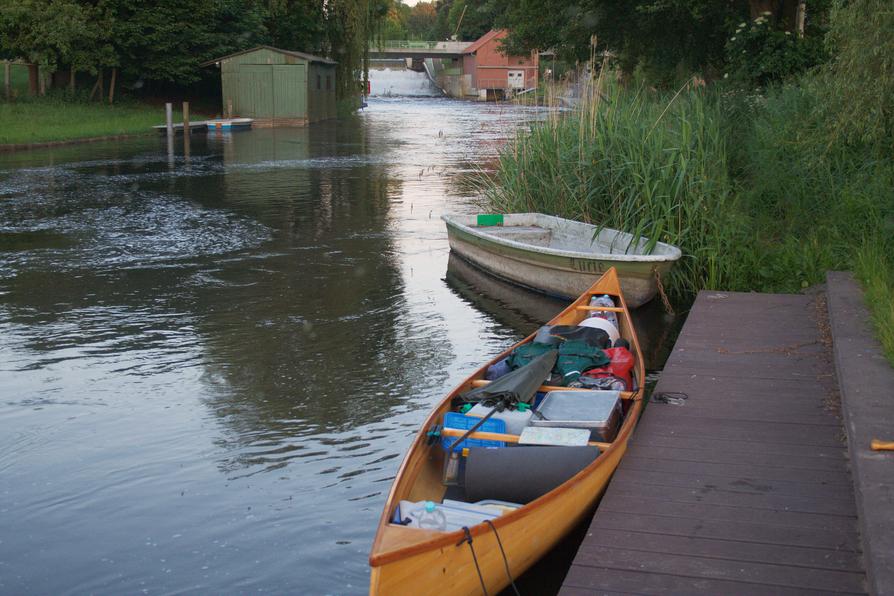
(744, 489)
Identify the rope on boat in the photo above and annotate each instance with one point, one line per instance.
(667, 305)
(505, 561)
(468, 538)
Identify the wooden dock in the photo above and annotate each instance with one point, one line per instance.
(745, 488)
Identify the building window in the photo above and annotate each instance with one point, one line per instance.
(328, 83)
(318, 82)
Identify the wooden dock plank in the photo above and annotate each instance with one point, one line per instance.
(750, 471)
(743, 489)
(597, 580)
(735, 455)
(741, 531)
(609, 556)
(709, 483)
(720, 429)
(780, 450)
(699, 510)
(795, 556)
(749, 499)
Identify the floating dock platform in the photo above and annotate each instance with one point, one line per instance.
(229, 123)
(223, 124)
(746, 488)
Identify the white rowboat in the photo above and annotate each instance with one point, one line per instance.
(559, 256)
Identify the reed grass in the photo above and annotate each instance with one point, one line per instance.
(748, 186)
(654, 167)
(874, 268)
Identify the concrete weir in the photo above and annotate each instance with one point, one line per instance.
(750, 485)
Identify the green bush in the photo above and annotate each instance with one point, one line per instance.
(759, 53)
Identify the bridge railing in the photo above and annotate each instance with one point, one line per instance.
(406, 44)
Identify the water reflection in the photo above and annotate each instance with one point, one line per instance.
(524, 311)
(211, 368)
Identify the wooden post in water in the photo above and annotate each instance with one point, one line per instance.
(187, 131)
(169, 124)
(6, 77)
(169, 119)
(112, 85)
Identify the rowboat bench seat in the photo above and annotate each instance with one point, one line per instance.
(525, 234)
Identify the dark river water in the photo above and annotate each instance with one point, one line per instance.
(211, 365)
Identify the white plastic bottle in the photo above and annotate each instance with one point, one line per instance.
(604, 300)
(429, 517)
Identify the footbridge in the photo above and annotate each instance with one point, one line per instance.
(418, 49)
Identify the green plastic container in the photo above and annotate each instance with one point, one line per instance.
(490, 219)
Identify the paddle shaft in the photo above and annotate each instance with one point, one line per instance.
(486, 436)
(547, 388)
(882, 445)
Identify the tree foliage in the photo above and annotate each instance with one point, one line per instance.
(858, 82)
(165, 41)
(658, 36)
(54, 32)
(759, 53)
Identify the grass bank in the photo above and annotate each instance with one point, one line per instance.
(57, 119)
(749, 187)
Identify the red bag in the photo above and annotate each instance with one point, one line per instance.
(619, 368)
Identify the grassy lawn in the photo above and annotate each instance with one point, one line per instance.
(52, 119)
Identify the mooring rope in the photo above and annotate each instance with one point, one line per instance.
(468, 538)
(667, 305)
(505, 560)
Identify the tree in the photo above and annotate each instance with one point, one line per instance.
(394, 25)
(470, 19)
(421, 21)
(858, 82)
(296, 24)
(164, 41)
(52, 33)
(351, 25)
(660, 36)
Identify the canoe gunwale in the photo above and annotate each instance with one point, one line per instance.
(481, 233)
(379, 557)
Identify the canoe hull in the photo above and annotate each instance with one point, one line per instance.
(552, 272)
(451, 569)
(407, 560)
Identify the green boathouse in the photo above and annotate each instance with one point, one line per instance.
(277, 87)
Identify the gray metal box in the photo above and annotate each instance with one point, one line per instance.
(599, 411)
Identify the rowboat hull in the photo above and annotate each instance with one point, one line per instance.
(407, 560)
(559, 272)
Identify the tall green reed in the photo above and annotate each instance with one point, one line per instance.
(654, 166)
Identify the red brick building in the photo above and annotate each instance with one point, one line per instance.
(493, 74)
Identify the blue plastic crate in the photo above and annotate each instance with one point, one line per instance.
(461, 421)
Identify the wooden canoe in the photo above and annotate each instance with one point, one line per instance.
(413, 561)
(559, 256)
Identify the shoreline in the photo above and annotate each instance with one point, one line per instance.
(9, 147)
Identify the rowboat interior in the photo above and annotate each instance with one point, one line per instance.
(548, 232)
(530, 488)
